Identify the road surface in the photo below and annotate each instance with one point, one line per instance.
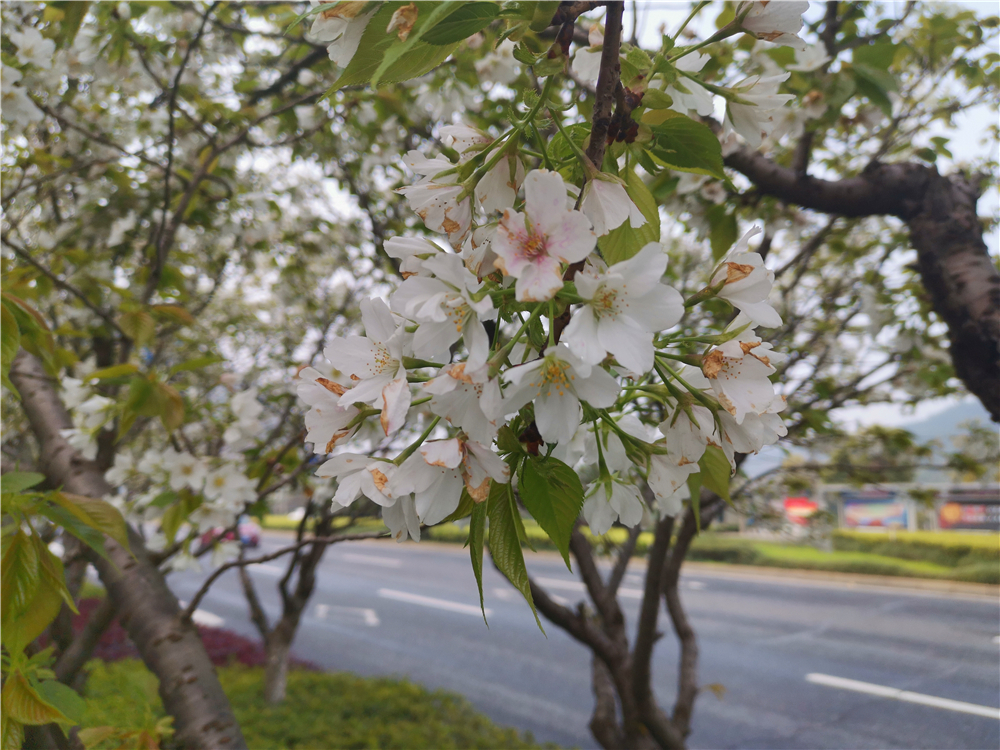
(803, 664)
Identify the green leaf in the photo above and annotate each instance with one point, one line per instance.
(409, 59)
(542, 14)
(624, 242)
(463, 23)
(723, 232)
(97, 514)
(875, 84)
(19, 481)
(553, 494)
(138, 325)
(63, 518)
(195, 364)
(63, 698)
(477, 531)
(10, 342)
(656, 99)
(688, 146)
(23, 704)
(117, 371)
(19, 576)
(715, 471)
(878, 55)
(171, 406)
(505, 549)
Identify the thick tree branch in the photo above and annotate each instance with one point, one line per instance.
(940, 211)
(71, 661)
(171, 649)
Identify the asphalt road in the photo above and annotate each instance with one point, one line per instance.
(784, 650)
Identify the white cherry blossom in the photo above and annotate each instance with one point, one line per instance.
(738, 373)
(33, 48)
(688, 95)
(608, 206)
(468, 399)
(626, 305)
(531, 246)
(342, 25)
(777, 21)
(230, 485)
(748, 283)
(401, 519)
(499, 66)
(557, 383)
(328, 421)
(587, 61)
(438, 200)
(756, 119)
(614, 497)
(444, 307)
(359, 475)
(411, 252)
(186, 471)
(438, 472)
(375, 364)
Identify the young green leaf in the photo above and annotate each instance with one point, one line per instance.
(19, 481)
(688, 146)
(715, 471)
(463, 23)
(505, 549)
(553, 494)
(97, 514)
(477, 532)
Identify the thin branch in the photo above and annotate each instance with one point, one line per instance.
(608, 81)
(625, 553)
(71, 660)
(196, 599)
(62, 284)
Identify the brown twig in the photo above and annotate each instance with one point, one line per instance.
(196, 599)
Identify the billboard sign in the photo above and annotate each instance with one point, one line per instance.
(972, 508)
(799, 509)
(874, 509)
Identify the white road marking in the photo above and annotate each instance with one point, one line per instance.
(996, 639)
(201, 617)
(382, 562)
(271, 570)
(559, 583)
(903, 695)
(429, 601)
(370, 616)
(696, 585)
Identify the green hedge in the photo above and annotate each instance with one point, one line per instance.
(944, 548)
(322, 710)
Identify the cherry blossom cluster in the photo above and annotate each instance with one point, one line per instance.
(528, 327)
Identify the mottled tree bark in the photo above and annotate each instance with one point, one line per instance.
(148, 610)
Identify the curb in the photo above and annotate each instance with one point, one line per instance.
(929, 585)
(848, 579)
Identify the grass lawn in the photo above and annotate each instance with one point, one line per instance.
(322, 710)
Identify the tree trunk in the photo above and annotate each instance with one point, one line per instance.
(277, 648)
(149, 612)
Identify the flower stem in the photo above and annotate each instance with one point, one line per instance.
(408, 451)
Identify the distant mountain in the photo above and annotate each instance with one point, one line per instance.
(946, 423)
(942, 426)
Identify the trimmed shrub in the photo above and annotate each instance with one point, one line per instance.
(943, 548)
(321, 711)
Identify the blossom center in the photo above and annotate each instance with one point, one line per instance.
(605, 302)
(555, 374)
(534, 246)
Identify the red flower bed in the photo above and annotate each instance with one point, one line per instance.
(223, 646)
